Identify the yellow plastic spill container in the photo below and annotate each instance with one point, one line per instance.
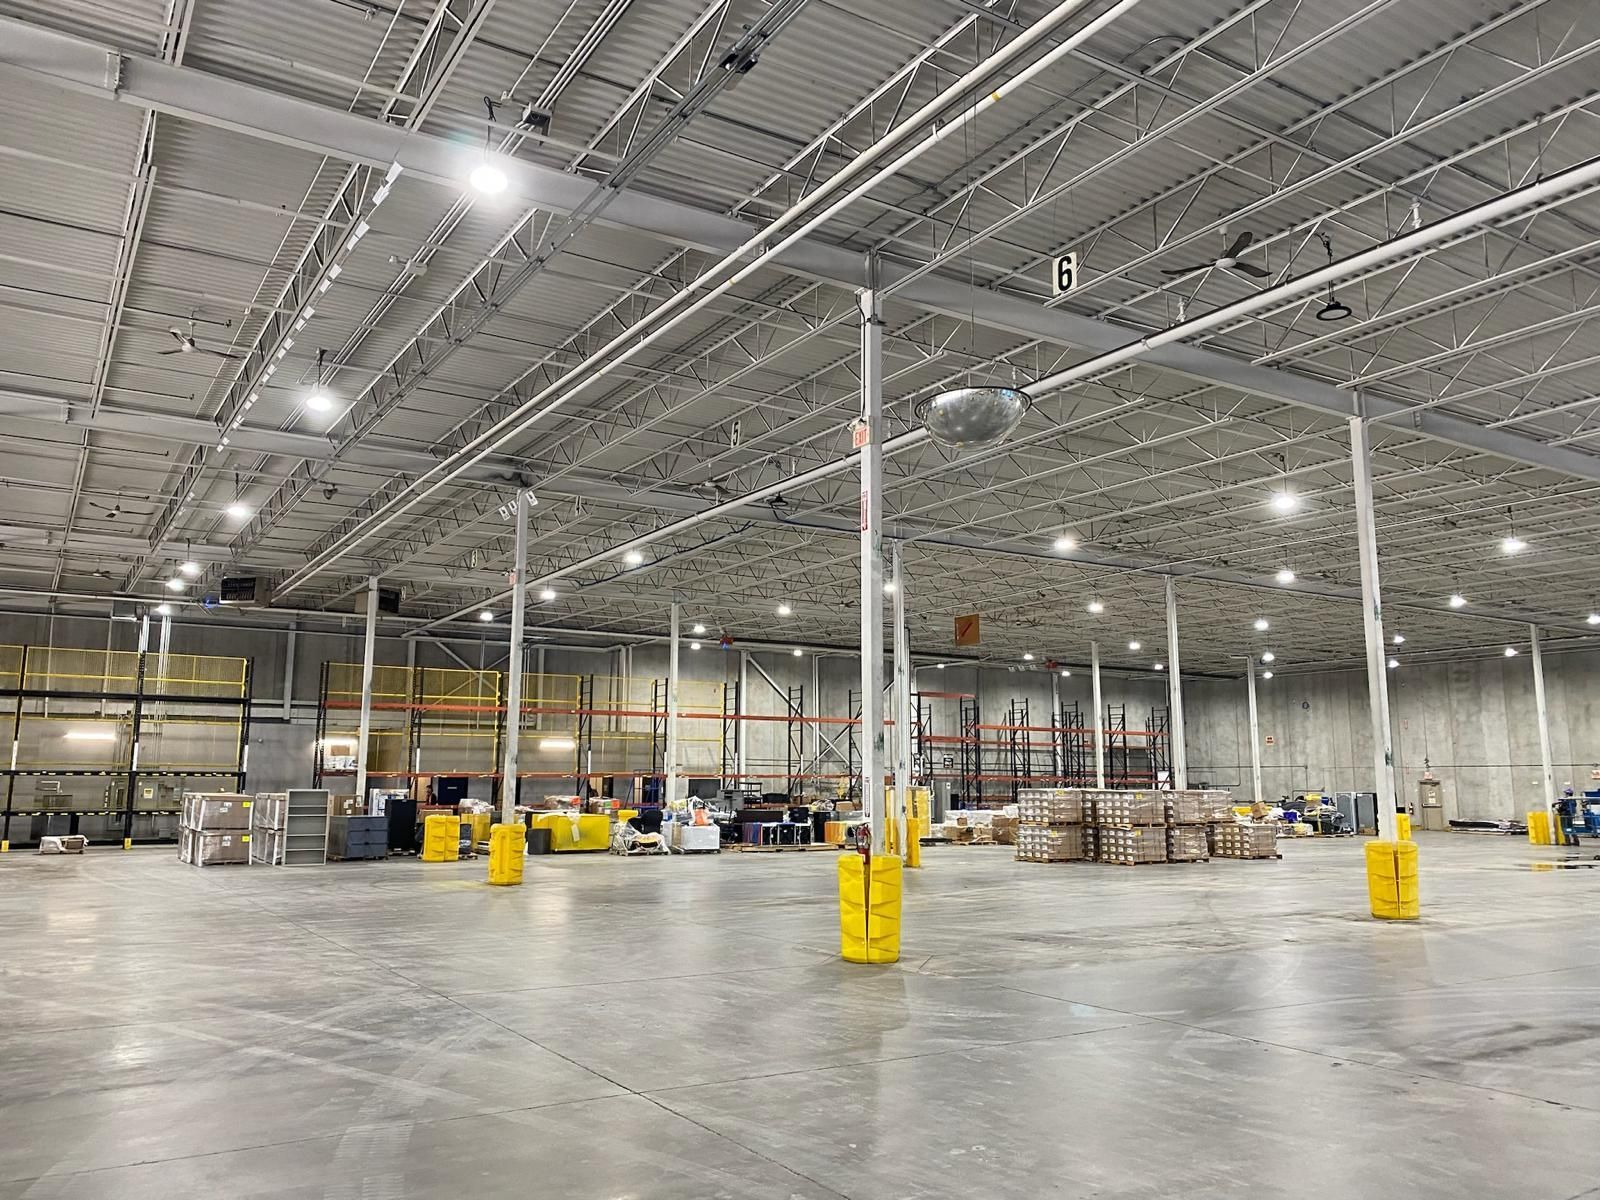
(441, 838)
(1402, 826)
(568, 832)
(508, 844)
(1392, 881)
(1539, 828)
(869, 908)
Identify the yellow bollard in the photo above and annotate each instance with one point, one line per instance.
(1402, 826)
(5, 847)
(1539, 828)
(869, 908)
(508, 845)
(1392, 881)
(916, 801)
(127, 843)
(441, 838)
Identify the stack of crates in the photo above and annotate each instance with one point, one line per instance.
(269, 816)
(1050, 825)
(214, 829)
(1130, 827)
(1187, 817)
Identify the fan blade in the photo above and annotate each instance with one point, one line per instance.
(218, 354)
(1251, 270)
(169, 351)
(1240, 245)
(177, 336)
(1189, 270)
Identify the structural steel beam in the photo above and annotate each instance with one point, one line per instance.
(196, 95)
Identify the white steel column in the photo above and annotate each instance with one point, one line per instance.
(367, 652)
(670, 784)
(513, 732)
(1099, 717)
(1546, 759)
(872, 745)
(288, 670)
(1255, 731)
(1372, 621)
(902, 701)
(1180, 752)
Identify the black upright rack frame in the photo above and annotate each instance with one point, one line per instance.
(971, 761)
(732, 731)
(794, 699)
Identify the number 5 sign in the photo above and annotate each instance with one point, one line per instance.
(1065, 276)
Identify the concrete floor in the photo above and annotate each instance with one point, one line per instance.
(683, 1029)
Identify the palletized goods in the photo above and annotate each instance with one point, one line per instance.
(1128, 809)
(1050, 843)
(1145, 844)
(1050, 806)
(1236, 840)
(1187, 843)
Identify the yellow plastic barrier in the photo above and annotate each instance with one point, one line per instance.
(588, 831)
(508, 844)
(869, 908)
(1392, 881)
(481, 823)
(1539, 828)
(1402, 826)
(833, 833)
(441, 838)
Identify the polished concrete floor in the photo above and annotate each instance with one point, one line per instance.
(683, 1029)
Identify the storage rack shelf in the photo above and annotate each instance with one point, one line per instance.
(147, 722)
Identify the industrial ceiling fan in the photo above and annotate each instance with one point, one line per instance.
(1229, 260)
(187, 345)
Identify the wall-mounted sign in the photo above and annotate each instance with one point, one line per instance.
(1270, 740)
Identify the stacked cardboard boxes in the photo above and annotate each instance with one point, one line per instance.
(1188, 843)
(1131, 845)
(1237, 840)
(1051, 825)
(214, 828)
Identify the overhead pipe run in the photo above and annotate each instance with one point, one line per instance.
(810, 213)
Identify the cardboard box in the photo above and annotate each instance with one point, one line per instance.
(212, 811)
(1050, 843)
(203, 848)
(1128, 846)
(1234, 839)
(1186, 808)
(1003, 830)
(1050, 806)
(1188, 843)
(1126, 810)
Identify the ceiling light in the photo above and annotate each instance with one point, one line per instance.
(1511, 651)
(319, 401)
(90, 735)
(1399, 639)
(1285, 502)
(1266, 674)
(163, 610)
(784, 610)
(1393, 663)
(799, 653)
(1458, 601)
(1268, 656)
(633, 558)
(1133, 645)
(1161, 666)
(191, 569)
(1262, 625)
(940, 666)
(1593, 618)
(694, 645)
(485, 615)
(1066, 542)
(1286, 576)
(175, 584)
(489, 179)
(888, 588)
(1066, 674)
(548, 594)
(698, 629)
(1027, 656)
(1096, 607)
(238, 511)
(556, 745)
(1513, 545)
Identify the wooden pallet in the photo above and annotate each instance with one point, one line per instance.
(1247, 857)
(817, 846)
(1120, 862)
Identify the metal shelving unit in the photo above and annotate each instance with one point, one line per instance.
(305, 828)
